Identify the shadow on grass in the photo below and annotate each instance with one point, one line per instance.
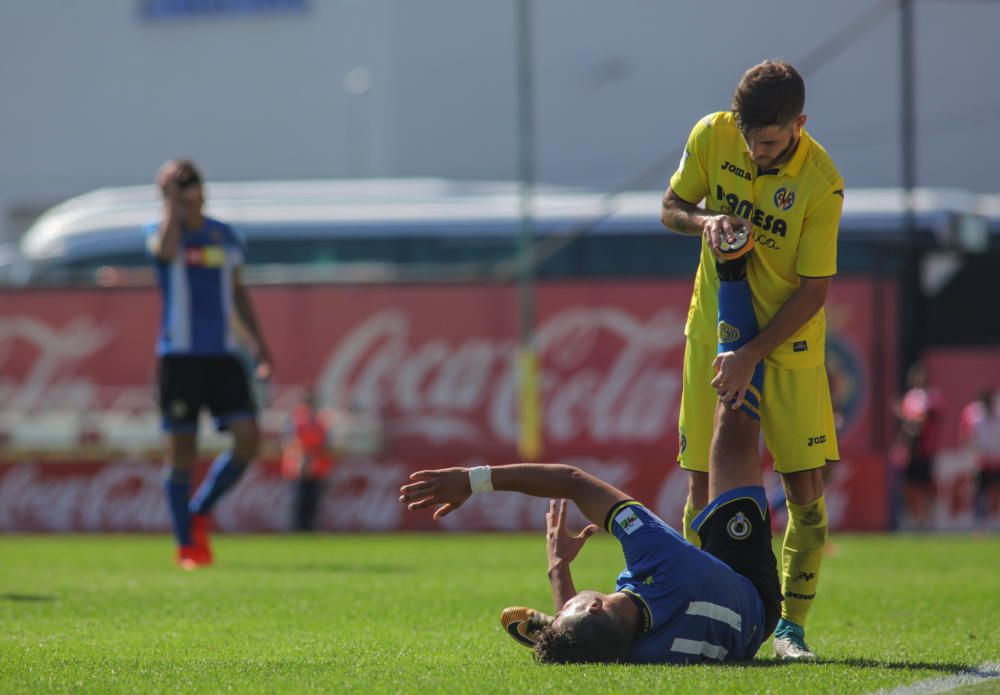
(26, 598)
(943, 667)
(321, 567)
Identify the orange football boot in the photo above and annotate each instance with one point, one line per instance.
(187, 557)
(201, 524)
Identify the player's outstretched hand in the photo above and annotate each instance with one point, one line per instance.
(448, 487)
(562, 546)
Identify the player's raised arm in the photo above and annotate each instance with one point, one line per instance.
(164, 243)
(449, 488)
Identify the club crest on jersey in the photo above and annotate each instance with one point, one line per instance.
(727, 333)
(739, 526)
(784, 198)
(628, 520)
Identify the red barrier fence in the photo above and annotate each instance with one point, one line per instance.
(437, 363)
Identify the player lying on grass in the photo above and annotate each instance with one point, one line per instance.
(674, 602)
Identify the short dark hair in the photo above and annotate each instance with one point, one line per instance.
(771, 93)
(189, 175)
(600, 639)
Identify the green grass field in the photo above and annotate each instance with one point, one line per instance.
(419, 613)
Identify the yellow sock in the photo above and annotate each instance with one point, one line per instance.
(689, 514)
(801, 556)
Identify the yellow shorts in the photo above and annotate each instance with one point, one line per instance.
(796, 414)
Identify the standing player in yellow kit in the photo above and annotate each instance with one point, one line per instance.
(756, 166)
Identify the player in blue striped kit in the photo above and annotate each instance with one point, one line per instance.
(674, 602)
(197, 261)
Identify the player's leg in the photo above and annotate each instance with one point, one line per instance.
(802, 548)
(695, 426)
(228, 467)
(179, 395)
(229, 399)
(307, 494)
(734, 460)
(979, 495)
(736, 525)
(992, 493)
(181, 450)
(925, 492)
(737, 326)
(799, 430)
(697, 500)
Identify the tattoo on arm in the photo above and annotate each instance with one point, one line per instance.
(681, 216)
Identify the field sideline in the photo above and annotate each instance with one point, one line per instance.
(419, 612)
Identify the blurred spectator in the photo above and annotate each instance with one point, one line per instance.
(307, 458)
(979, 430)
(919, 413)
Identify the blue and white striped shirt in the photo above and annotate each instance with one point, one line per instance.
(197, 290)
(694, 607)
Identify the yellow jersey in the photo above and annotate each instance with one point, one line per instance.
(795, 213)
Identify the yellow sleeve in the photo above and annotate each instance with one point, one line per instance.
(817, 257)
(690, 181)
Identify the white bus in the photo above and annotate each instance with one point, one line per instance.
(440, 230)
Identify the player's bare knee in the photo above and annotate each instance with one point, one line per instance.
(247, 440)
(247, 449)
(736, 431)
(803, 487)
(181, 450)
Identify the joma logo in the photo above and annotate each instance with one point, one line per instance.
(732, 168)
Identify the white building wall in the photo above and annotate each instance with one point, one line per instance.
(94, 95)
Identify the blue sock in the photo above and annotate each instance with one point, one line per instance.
(226, 469)
(737, 327)
(177, 485)
(737, 322)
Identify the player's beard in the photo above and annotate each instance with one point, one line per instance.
(782, 156)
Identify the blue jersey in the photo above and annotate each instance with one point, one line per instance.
(693, 606)
(197, 290)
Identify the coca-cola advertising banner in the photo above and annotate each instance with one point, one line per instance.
(435, 364)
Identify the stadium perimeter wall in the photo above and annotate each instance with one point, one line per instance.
(437, 364)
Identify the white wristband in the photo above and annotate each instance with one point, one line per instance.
(481, 479)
